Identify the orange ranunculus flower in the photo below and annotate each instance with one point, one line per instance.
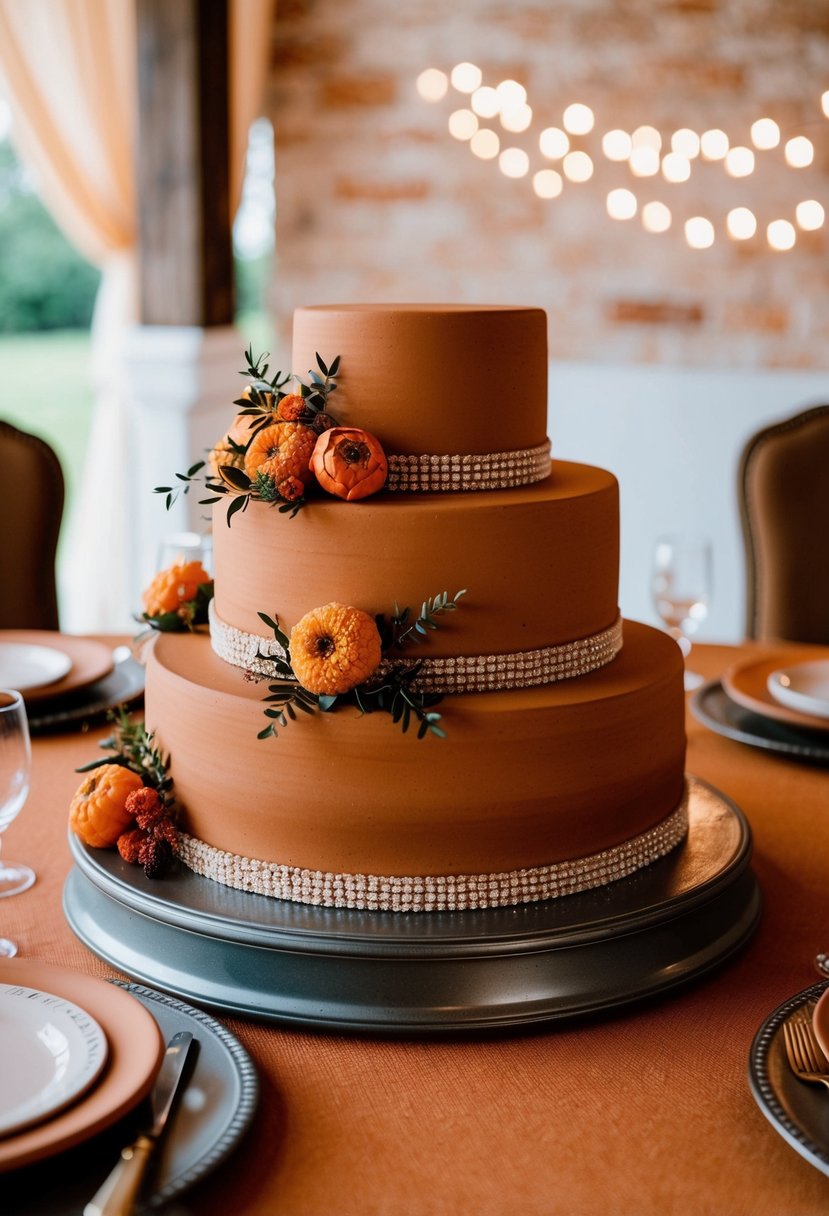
(281, 450)
(222, 455)
(173, 587)
(349, 463)
(334, 648)
(291, 408)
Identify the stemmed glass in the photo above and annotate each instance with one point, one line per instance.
(681, 587)
(179, 547)
(15, 767)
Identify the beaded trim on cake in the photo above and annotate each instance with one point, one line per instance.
(436, 893)
(480, 471)
(450, 674)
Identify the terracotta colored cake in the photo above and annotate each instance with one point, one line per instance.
(562, 766)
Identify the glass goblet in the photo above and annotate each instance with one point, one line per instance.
(681, 588)
(15, 768)
(179, 547)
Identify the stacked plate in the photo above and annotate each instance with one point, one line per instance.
(796, 1109)
(66, 680)
(78, 1056)
(778, 700)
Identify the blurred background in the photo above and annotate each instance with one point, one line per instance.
(652, 173)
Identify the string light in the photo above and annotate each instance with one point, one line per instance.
(617, 145)
(577, 166)
(485, 102)
(642, 150)
(810, 215)
(781, 234)
(799, 152)
(485, 144)
(741, 223)
(463, 124)
(578, 119)
(432, 84)
(675, 167)
(621, 204)
(516, 118)
(699, 232)
(547, 183)
(739, 162)
(656, 217)
(713, 144)
(553, 143)
(514, 162)
(685, 142)
(466, 77)
(644, 161)
(765, 134)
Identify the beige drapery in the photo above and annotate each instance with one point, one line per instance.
(69, 72)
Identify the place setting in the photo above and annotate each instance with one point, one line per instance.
(66, 680)
(777, 700)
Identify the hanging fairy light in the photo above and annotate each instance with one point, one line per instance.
(656, 217)
(781, 235)
(685, 142)
(739, 162)
(463, 124)
(647, 137)
(644, 161)
(547, 183)
(516, 118)
(511, 94)
(617, 145)
(485, 102)
(485, 144)
(765, 134)
(713, 144)
(553, 142)
(577, 166)
(699, 232)
(466, 77)
(514, 162)
(810, 215)
(432, 85)
(741, 223)
(799, 152)
(621, 204)
(578, 119)
(676, 167)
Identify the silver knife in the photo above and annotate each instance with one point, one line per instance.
(117, 1194)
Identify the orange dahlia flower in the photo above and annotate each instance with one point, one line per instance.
(349, 463)
(334, 648)
(173, 587)
(281, 450)
(291, 408)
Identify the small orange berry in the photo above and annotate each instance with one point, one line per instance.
(291, 408)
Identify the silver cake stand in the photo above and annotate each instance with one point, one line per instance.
(427, 973)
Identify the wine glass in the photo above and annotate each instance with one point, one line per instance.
(179, 547)
(15, 766)
(681, 586)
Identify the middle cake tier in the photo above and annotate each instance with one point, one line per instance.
(539, 564)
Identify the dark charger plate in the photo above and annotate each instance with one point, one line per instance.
(427, 973)
(712, 706)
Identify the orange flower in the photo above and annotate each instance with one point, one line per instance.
(173, 587)
(291, 408)
(334, 648)
(281, 450)
(98, 811)
(222, 455)
(349, 463)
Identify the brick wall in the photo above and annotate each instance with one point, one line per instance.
(376, 201)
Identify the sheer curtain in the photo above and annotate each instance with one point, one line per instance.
(69, 73)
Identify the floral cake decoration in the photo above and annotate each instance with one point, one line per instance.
(283, 444)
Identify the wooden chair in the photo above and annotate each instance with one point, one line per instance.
(31, 510)
(783, 491)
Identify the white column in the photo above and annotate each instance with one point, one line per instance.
(181, 382)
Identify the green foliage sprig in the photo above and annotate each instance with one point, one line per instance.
(391, 692)
(133, 747)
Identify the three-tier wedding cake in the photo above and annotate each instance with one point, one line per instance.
(562, 765)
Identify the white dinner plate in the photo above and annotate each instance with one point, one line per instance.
(51, 1051)
(803, 687)
(24, 667)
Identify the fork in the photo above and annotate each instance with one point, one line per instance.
(805, 1055)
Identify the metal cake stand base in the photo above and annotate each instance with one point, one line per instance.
(434, 972)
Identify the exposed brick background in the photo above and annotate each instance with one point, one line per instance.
(376, 201)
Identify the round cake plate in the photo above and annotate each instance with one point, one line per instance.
(427, 973)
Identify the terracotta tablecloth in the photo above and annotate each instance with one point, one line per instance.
(647, 1112)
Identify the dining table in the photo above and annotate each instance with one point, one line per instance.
(644, 1109)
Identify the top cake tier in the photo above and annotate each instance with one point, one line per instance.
(436, 379)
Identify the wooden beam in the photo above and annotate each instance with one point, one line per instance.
(182, 163)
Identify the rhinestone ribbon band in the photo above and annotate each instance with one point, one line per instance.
(436, 893)
(451, 674)
(484, 471)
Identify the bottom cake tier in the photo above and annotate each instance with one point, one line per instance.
(533, 793)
